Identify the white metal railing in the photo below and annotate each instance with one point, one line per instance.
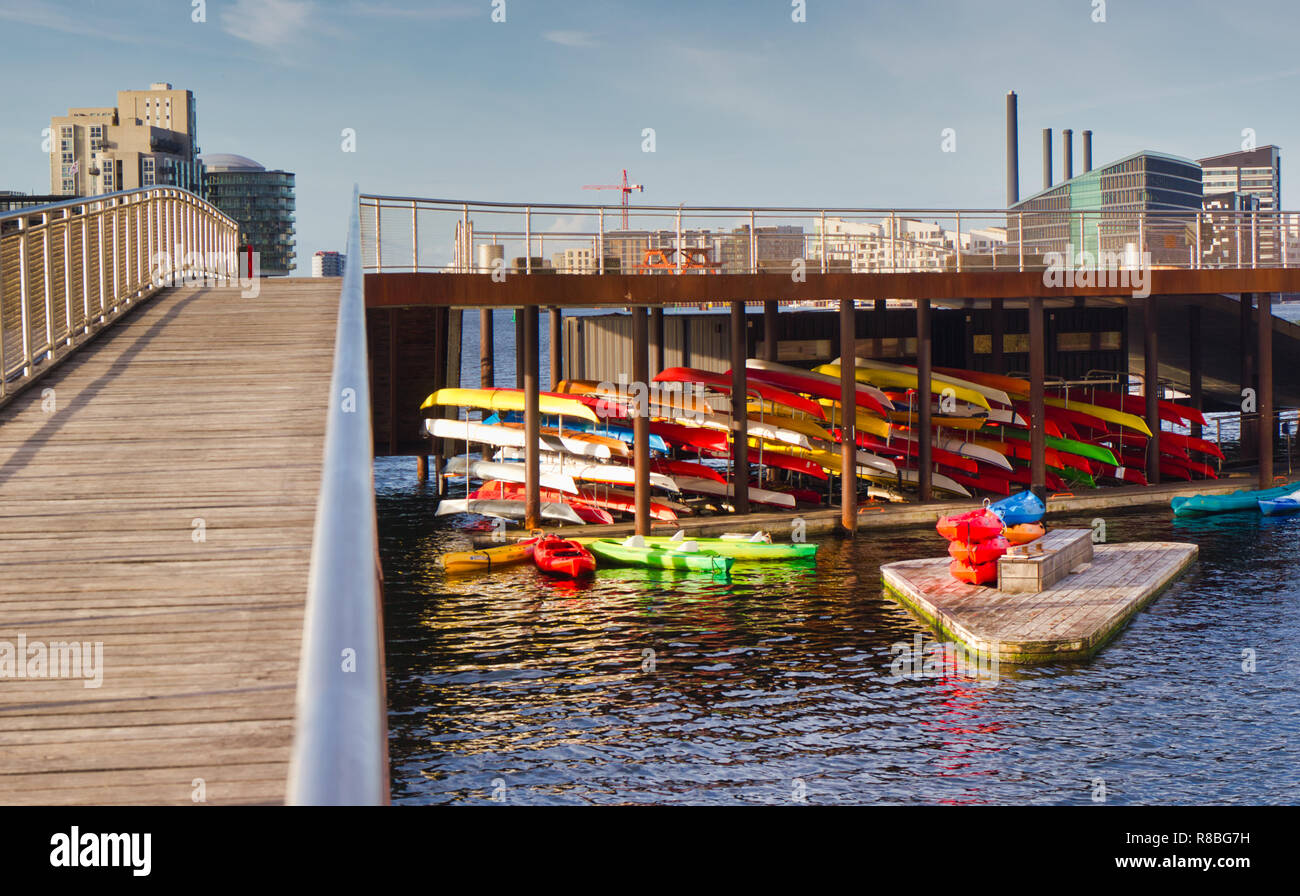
(404, 233)
(68, 270)
(340, 750)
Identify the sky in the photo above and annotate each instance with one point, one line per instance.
(847, 108)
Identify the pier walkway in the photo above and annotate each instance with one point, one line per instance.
(157, 495)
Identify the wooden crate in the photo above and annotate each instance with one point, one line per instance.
(1039, 565)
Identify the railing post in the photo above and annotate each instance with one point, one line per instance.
(415, 237)
(679, 239)
(753, 242)
(1254, 239)
(24, 298)
(379, 250)
(823, 241)
(958, 242)
(1020, 239)
(47, 265)
(1200, 257)
(528, 240)
(466, 250)
(600, 242)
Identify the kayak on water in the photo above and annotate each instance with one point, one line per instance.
(563, 557)
(1203, 505)
(736, 548)
(484, 560)
(685, 556)
(1023, 507)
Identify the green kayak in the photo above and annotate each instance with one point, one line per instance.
(1203, 505)
(1069, 446)
(621, 553)
(734, 548)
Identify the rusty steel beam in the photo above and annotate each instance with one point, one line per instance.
(769, 329)
(739, 410)
(641, 420)
(848, 418)
(1267, 426)
(1151, 384)
(924, 460)
(486, 349)
(1037, 404)
(658, 359)
(532, 422)
(557, 346)
(595, 290)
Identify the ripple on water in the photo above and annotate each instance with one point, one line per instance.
(644, 686)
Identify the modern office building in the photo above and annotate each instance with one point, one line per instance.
(327, 264)
(775, 247)
(896, 244)
(1256, 172)
(261, 201)
(148, 138)
(1098, 210)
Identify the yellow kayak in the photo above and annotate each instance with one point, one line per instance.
(1110, 415)
(509, 400)
(810, 428)
(486, 559)
(662, 396)
(902, 379)
(970, 424)
(866, 421)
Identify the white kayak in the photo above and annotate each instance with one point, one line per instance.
(488, 470)
(510, 437)
(609, 474)
(703, 486)
(865, 388)
(765, 431)
(987, 391)
(506, 509)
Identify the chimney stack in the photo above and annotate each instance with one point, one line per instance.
(1067, 148)
(1047, 158)
(1087, 151)
(1013, 150)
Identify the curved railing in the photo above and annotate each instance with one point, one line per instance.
(406, 233)
(70, 269)
(340, 750)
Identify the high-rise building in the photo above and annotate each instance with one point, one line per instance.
(261, 201)
(148, 138)
(1079, 213)
(327, 264)
(1254, 172)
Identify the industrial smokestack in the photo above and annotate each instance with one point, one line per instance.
(1087, 151)
(1047, 158)
(1013, 150)
(1067, 148)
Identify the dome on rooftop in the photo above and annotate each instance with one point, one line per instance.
(225, 161)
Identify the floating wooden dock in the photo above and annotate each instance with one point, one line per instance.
(160, 500)
(1071, 619)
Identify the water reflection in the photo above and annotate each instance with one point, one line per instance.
(654, 686)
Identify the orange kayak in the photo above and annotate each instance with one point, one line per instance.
(977, 525)
(980, 552)
(974, 575)
(1024, 533)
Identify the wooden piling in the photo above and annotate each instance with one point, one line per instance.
(1151, 384)
(924, 464)
(739, 409)
(1037, 395)
(848, 418)
(1267, 426)
(532, 420)
(641, 420)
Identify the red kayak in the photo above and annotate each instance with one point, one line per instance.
(515, 491)
(811, 384)
(561, 557)
(978, 525)
(722, 383)
(591, 498)
(1137, 406)
(974, 575)
(685, 468)
(979, 553)
(695, 437)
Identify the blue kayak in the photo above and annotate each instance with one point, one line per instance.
(1025, 507)
(1284, 506)
(621, 433)
(1202, 505)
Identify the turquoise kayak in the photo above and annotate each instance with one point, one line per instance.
(1204, 505)
(1283, 506)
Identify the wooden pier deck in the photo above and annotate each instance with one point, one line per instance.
(1070, 620)
(160, 500)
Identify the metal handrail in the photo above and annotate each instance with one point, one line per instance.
(69, 269)
(340, 749)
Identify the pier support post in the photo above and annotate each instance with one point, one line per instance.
(1037, 404)
(739, 410)
(1194, 363)
(769, 330)
(1267, 426)
(557, 346)
(925, 428)
(422, 467)
(532, 419)
(520, 314)
(848, 418)
(486, 349)
(659, 359)
(997, 336)
(641, 420)
(1151, 383)
(1247, 350)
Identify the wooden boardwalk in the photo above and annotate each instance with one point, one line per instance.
(160, 500)
(1070, 620)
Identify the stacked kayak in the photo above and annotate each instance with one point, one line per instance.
(1205, 505)
(686, 556)
(975, 544)
(1024, 507)
(1283, 506)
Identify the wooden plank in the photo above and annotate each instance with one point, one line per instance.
(200, 405)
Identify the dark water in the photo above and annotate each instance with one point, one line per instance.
(778, 684)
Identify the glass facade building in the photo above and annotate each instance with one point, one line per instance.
(261, 201)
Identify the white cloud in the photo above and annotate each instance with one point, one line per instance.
(269, 23)
(571, 38)
(45, 15)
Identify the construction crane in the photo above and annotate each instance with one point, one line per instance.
(625, 188)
